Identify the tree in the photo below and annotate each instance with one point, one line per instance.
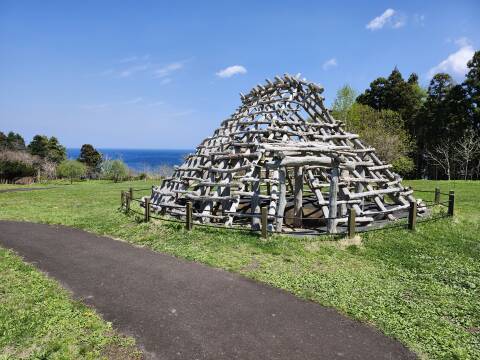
(394, 93)
(71, 169)
(16, 164)
(472, 87)
(115, 170)
(91, 158)
(39, 146)
(12, 141)
(343, 102)
(442, 155)
(466, 149)
(47, 148)
(383, 130)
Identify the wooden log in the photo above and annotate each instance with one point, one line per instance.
(282, 202)
(298, 197)
(351, 223)
(437, 196)
(255, 200)
(412, 215)
(264, 222)
(332, 206)
(127, 202)
(147, 208)
(451, 203)
(188, 216)
(374, 193)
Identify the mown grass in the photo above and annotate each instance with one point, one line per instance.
(421, 287)
(38, 320)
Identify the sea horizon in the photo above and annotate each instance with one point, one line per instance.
(140, 159)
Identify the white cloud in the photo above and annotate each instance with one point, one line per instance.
(168, 69)
(380, 21)
(455, 63)
(390, 18)
(331, 63)
(133, 70)
(231, 70)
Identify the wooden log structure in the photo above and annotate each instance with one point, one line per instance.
(283, 151)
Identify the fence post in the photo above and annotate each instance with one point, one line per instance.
(130, 192)
(122, 197)
(264, 222)
(188, 217)
(351, 223)
(412, 215)
(147, 209)
(127, 202)
(451, 202)
(437, 196)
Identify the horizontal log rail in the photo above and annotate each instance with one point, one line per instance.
(349, 221)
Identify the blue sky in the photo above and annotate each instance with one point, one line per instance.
(153, 74)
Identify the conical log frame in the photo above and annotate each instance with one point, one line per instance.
(282, 149)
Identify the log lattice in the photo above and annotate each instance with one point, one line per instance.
(281, 149)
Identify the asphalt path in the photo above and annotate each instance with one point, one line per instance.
(176, 309)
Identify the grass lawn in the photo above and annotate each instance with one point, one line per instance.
(421, 287)
(39, 320)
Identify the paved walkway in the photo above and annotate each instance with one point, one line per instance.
(183, 310)
(26, 189)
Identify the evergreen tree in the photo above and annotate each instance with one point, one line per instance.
(394, 93)
(472, 87)
(47, 148)
(91, 158)
(12, 141)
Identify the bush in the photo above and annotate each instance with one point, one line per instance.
(71, 169)
(17, 164)
(115, 170)
(403, 166)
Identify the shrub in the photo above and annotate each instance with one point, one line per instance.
(17, 164)
(71, 169)
(115, 170)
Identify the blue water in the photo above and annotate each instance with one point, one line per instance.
(140, 159)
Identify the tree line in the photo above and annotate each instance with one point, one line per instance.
(431, 132)
(45, 158)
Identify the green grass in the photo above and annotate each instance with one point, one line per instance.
(38, 319)
(421, 287)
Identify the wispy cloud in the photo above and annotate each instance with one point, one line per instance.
(231, 70)
(455, 63)
(166, 70)
(132, 70)
(330, 63)
(390, 18)
(132, 66)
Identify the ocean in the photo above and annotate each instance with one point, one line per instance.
(140, 159)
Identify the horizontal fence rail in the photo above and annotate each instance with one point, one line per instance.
(127, 197)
